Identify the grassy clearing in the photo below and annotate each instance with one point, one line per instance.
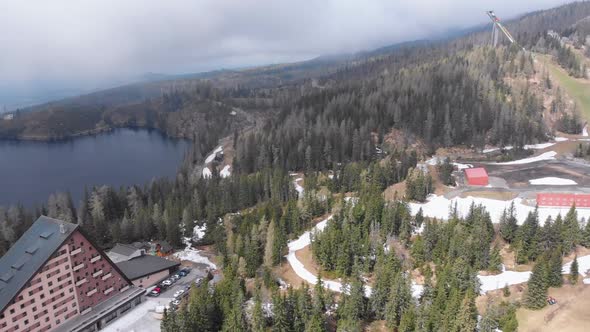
(577, 89)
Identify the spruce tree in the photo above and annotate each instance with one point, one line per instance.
(536, 294)
(408, 320)
(466, 319)
(554, 277)
(495, 260)
(574, 273)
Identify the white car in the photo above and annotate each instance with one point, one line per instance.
(176, 302)
(178, 293)
(167, 282)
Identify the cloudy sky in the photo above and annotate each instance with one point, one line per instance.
(93, 43)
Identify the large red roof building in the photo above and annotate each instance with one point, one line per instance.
(55, 279)
(476, 176)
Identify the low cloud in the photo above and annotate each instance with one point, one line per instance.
(109, 40)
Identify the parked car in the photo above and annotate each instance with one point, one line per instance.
(178, 293)
(182, 273)
(175, 277)
(551, 300)
(167, 282)
(198, 281)
(176, 302)
(155, 292)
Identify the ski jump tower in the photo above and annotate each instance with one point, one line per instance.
(497, 27)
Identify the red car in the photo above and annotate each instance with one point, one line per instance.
(155, 292)
(551, 300)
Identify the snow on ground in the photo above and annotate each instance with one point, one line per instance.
(490, 150)
(561, 139)
(195, 256)
(225, 171)
(199, 232)
(585, 131)
(298, 187)
(213, 154)
(489, 283)
(207, 173)
(303, 241)
(498, 281)
(439, 207)
(553, 181)
(550, 155)
(462, 166)
(538, 146)
(583, 266)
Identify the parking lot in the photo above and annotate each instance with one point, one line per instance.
(146, 316)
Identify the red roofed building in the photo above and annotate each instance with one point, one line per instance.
(563, 200)
(476, 176)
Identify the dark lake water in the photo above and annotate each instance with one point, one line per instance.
(31, 171)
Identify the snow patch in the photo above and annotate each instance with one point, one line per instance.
(585, 131)
(550, 155)
(561, 139)
(298, 187)
(199, 232)
(462, 166)
(195, 256)
(225, 171)
(553, 181)
(207, 173)
(211, 157)
(489, 283)
(583, 266)
(538, 146)
(439, 207)
(498, 281)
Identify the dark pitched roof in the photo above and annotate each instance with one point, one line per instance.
(124, 249)
(142, 245)
(29, 254)
(145, 265)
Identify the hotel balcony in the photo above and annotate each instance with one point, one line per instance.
(124, 289)
(81, 281)
(92, 292)
(96, 258)
(76, 251)
(79, 266)
(97, 273)
(108, 290)
(106, 276)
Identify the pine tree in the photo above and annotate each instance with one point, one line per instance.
(574, 271)
(319, 297)
(570, 230)
(508, 224)
(269, 246)
(536, 295)
(257, 323)
(554, 277)
(585, 241)
(466, 319)
(408, 320)
(495, 260)
(400, 297)
(315, 323)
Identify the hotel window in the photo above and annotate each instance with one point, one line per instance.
(34, 308)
